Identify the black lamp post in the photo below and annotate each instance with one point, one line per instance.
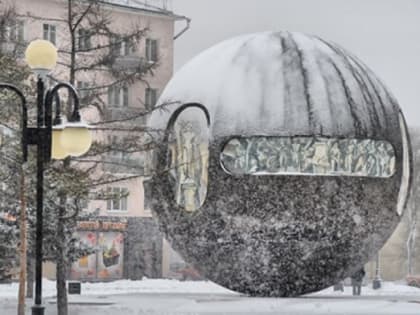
(50, 143)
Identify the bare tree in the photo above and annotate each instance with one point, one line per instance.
(12, 171)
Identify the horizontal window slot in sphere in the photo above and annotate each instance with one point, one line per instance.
(312, 156)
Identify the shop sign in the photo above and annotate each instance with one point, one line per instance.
(101, 226)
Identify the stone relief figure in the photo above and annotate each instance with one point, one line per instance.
(384, 159)
(295, 159)
(284, 153)
(320, 159)
(277, 158)
(308, 152)
(371, 168)
(349, 158)
(335, 157)
(264, 152)
(309, 155)
(360, 161)
(189, 164)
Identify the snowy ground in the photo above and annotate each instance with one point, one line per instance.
(167, 297)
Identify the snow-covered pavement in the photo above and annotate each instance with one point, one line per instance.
(167, 297)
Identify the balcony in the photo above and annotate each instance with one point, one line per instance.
(118, 164)
(130, 62)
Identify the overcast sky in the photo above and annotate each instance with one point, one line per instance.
(385, 34)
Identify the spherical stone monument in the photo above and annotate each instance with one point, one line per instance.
(284, 164)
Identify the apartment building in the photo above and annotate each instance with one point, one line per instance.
(124, 230)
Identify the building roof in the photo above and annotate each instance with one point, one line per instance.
(163, 7)
(154, 6)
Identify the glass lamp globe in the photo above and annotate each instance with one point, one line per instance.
(58, 152)
(41, 56)
(76, 138)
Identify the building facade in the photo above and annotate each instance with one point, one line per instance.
(124, 232)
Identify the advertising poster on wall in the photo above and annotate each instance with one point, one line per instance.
(106, 263)
(85, 267)
(110, 255)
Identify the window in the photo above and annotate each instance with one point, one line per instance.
(117, 199)
(81, 86)
(84, 39)
(50, 33)
(117, 96)
(308, 156)
(125, 48)
(151, 50)
(150, 98)
(122, 47)
(124, 92)
(15, 32)
(114, 141)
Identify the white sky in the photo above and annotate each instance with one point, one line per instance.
(385, 34)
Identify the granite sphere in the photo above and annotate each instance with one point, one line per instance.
(284, 163)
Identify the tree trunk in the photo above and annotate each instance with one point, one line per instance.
(61, 267)
(30, 277)
(22, 250)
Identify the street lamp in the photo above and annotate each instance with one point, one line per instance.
(376, 284)
(55, 138)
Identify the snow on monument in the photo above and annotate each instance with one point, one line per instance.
(285, 164)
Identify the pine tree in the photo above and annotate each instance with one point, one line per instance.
(12, 168)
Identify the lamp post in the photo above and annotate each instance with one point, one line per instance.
(54, 138)
(376, 283)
